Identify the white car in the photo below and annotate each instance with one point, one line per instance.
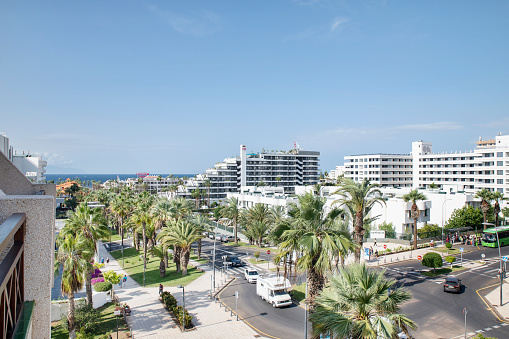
(251, 275)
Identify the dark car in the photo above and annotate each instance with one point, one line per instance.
(235, 261)
(452, 284)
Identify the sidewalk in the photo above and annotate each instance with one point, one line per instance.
(149, 318)
(493, 298)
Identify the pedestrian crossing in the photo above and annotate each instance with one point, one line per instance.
(487, 329)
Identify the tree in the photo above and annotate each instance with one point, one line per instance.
(361, 303)
(142, 217)
(181, 233)
(486, 196)
(429, 230)
(359, 198)
(497, 196)
(69, 256)
(414, 196)
(202, 225)
(163, 211)
(89, 225)
(390, 230)
(196, 194)
(232, 212)
(208, 184)
(467, 216)
(450, 259)
(159, 251)
(432, 260)
(312, 235)
(121, 207)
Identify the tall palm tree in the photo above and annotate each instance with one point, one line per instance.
(121, 207)
(313, 236)
(414, 196)
(196, 194)
(202, 225)
(361, 303)
(182, 233)
(359, 198)
(69, 255)
(159, 251)
(208, 184)
(141, 217)
(497, 196)
(232, 212)
(162, 213)
(180, 208)
(486, 196)
(91, 226)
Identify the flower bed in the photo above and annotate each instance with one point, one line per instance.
(170, 303)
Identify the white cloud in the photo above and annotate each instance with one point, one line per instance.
(336, 23)
(198, 23)
(443, 125)
(55, 159)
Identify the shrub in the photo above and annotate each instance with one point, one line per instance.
(82, 334)
(102, 286)
(257, 255)
(169, 300)
(432, 260)
(177, 312)
(97, 280)
(450, 259)
(85, 319)
(448, 245)
(112, 277)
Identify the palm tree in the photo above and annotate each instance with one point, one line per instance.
(232, 212)
(487, 196)
(121, 207)
(208, 184)
(497, 196)
(313, 236)
(196, 194)
(160, 252)
(91, 226)
(359, 198)
(181, 233)
(414, 196)
(202, 225)
(69, 255)
(361, 303)
(162, 213)
(141, 216)
(180, 208)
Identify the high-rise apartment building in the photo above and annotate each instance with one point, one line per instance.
(487, 166)
(280, 169)
(32, 166)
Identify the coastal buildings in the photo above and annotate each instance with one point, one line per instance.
(285, 169)
(487, 166)
(31, 165)
(27, 244)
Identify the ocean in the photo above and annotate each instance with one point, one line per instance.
(103, 177)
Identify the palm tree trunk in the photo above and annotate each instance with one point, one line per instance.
(315, 281)
(144, 251)
(166, 263)
(415, 234)
(176, 257)
(358, 235)
(122, 246)
(236, 240)
(496, 209)
(184, 260)
(136, 241)
(199, 248)
(485, 208)
(70, 317)
(88, 285)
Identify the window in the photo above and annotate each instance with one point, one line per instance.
(500, 154)
(500, 163)
(500, 181)
(500, 172)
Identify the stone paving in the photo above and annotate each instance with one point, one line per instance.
(149, 318)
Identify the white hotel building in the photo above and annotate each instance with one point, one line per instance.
(274, 169)
(487, 166)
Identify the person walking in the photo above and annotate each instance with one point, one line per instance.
(107, 260)
(124, 280)
(160, 289)
(375, 242)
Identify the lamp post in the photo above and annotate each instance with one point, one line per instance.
(501, 272)
(443, 220)
(214, 259)
(183, 308)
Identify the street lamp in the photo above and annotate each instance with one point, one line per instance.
(443, 217)
(183, 308)
(500, 256)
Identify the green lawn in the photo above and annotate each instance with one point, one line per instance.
(452, 251)
(245, 244)
(134, 267)
(115, 236)
(107, 323)
(259, 262)
(203, 259)
(443, 270)
(299, 292)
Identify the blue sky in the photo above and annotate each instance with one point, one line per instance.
(176, 86)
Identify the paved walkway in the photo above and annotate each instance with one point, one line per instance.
(149, 318)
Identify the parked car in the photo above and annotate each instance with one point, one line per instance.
(223, 238)
(234, 261)
(229, 238)
(211, 235)
(452, 284)
(251, 275)
(219, 237)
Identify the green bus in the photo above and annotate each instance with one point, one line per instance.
(489, 236)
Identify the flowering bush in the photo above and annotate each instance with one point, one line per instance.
(97, 280)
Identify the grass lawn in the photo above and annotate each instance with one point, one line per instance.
(134, 267)
(259, 262)
(107, 323)
(115, 236)
(443, 270)
(203, 260)
(245, 244)
(452, 251)
(299, 292)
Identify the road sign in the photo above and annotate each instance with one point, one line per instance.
(504, 258)
(483, 255)
(419, 257)
(385, 247)
(236, 294)
(268, 251)
(462, 249)
(465, 311)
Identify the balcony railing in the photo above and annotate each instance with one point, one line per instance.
(12, 237)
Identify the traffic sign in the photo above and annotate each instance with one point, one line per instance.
(461, 249)
(385, 247)
(504, 258)
(419, 257)
(268, 251)
(465, 311)
(483, 255)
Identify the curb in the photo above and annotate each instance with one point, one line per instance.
(490, 306)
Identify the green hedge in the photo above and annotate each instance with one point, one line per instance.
(171, 303)
(102, 286)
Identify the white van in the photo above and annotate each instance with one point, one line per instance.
(251, 275)
(274, 290)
